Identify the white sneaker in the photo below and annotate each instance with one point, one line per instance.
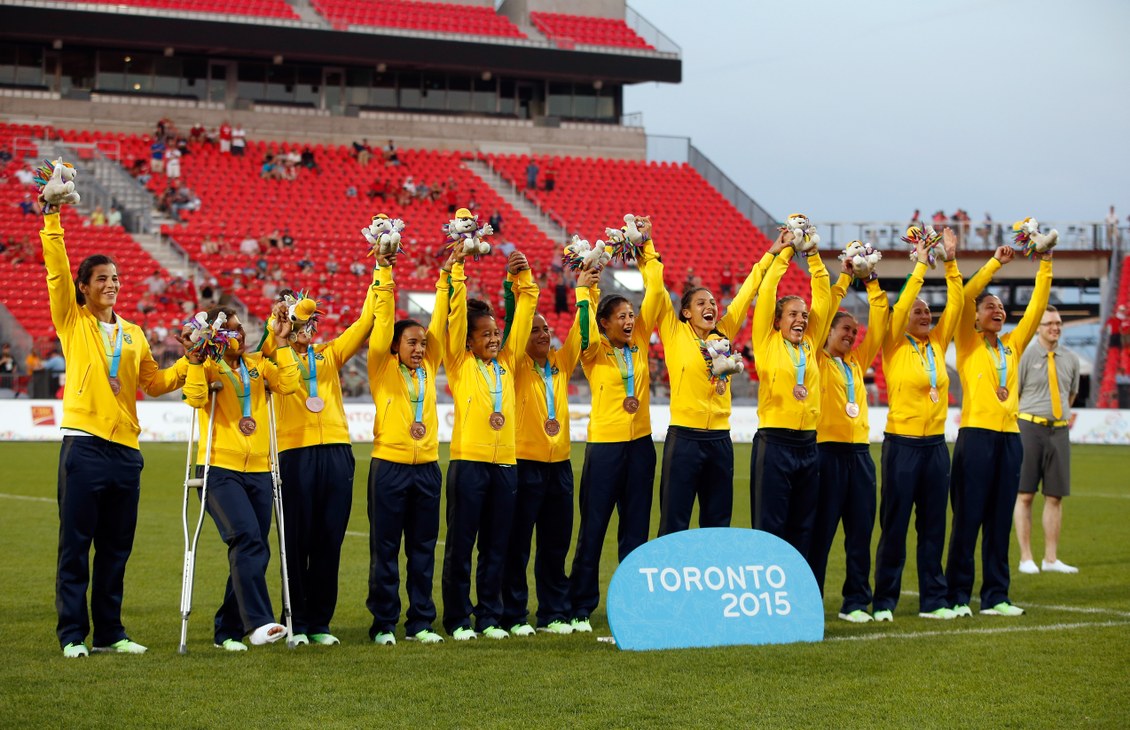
(495, 632)
(267, 634)
(884, 615)
(1058, 566)
(385, 638)
(522, 630)
(1028, 567)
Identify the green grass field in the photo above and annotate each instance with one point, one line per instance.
(1065, 663)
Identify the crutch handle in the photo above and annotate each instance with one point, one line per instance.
(194, 483)
(215, 386)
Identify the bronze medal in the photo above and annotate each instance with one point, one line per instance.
(934, 394)
(417, 430)
(1002, 394)
(314, 404)
(247, 426)
(720, 387)
(552, 427)
(115, 384)
(852, 410)
(497, 420)
(800, 392)
(631, 404)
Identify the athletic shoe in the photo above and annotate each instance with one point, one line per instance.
(74, 651)
(386, 638)
(299, 640)
(522, 630)
(1058, 566)
(884, 615)
(495, 632)
(231, 645)
(425, 636)
(1028, 567)
(581, 626)
(1004, 608)
(464, 633)
(556, 627)
(125, 646)
(943, 613)
(324, 639)
(858, 616)
(962, 611)
(267, 634)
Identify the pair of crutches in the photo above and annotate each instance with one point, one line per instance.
(191, 541)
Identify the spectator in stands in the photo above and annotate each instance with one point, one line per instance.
(5, 155)
(114, 217)
(985, 232)
(916, 219)
(560, 296)
(392, 157)
(362, 152)
(27, 206)
(238, 140)
(287, 240)
(357, 268)
(225, 137)
(7, 367)
(1118, 327)
(307, 160)
(331, 264)
(54, 363)
(378, 189)
(183, 200)
(197, 133)
(939, 220)
(726, 281)
(505, 247)
(305, 265)
(532, 176)
(451, 197)
(98, 216)
(1112, 227)
(33, 362)
(351, 191)
(155, 283)
(472, 204)
(496, 222)
(550, 177)
(210, 293)
(172, 164)
(249, 246)
(209, 247)
(267, 170)
(688, 280)
(157, 156)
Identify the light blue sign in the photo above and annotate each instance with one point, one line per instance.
(715, 586)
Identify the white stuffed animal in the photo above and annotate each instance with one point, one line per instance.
(863, 258)
(722, 362)
(57, 183)
(464, 231)
(579, 254)
(805, 237)
(630, 231)
(383, 234)
(1028, 237)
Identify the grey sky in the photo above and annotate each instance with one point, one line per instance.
(868, 109)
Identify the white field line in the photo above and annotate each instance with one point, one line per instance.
(994, 630)
(28, 499)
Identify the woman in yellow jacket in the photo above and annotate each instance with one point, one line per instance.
(545, 473)
(698, 454)
(404, 476)
(915, 458)
(107, 361)
(784, 478)
(847, 471)
(985, 477)
(239, 495)
(316, 466)
(481, 479)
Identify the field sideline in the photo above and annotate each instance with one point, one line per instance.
(1063, 664)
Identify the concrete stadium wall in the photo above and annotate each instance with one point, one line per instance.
(519, 10)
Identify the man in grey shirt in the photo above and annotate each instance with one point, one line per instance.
(1049, 382)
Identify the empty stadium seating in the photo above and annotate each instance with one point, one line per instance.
(564, 28)
(422, 16)
(277, 9)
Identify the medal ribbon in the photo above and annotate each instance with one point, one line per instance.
(245, 395)
(1002, 364)
(496, 394)
(850, 380)
(311, 375)
(800, 364)
(932, 368)
(627, 368)
(113, 352)
(415, 395)
(550, 402)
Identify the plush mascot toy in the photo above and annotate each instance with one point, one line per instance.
(210, 339)
(56, 181)
(934, 251)
(303, 311)
(805, 237)
(1027, 237)
(625, 243)
(721, 361)
(464, 231)
(579, 254)
(383, 235)
(863, 258)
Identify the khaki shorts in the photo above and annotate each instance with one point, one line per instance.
(1047, 459)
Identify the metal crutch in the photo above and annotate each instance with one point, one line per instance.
(191, 482)
(276, 489)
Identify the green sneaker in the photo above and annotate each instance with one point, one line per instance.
(884, 615)
(495, 632)
(556, 627)
(386, 638)
(125, 646)
(962, 611)
(324, 639)
(74, 651)
(231, 645)
(581, 626)
(299, 640)
(522, 630)
(464, 633)
(858, 616)
(943, 613)
(425, 636)
(1004, 608)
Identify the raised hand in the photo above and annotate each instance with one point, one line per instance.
(949, 243)
(282, 326)
(194, 357)
(589, 277)
(643, 225)
(1004, 254)
(517, 262)
(784, 240)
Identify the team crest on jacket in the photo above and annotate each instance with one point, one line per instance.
(253, 372)
(127, 338)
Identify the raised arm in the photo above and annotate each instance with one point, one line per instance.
(508, 304)
(435, 349)
(656, 309)
(581, 330)
(60, 285)
(346, 345)
(736, 313)
(384, 315)
(955, 291)
(527, 302)
(900, 314)
(878, 314)
(456, 341)
(964, 333)
(818, 319)
(766, 307)
(1022, 334)
(155, 381)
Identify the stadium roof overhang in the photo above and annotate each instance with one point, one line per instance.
(328, 47)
